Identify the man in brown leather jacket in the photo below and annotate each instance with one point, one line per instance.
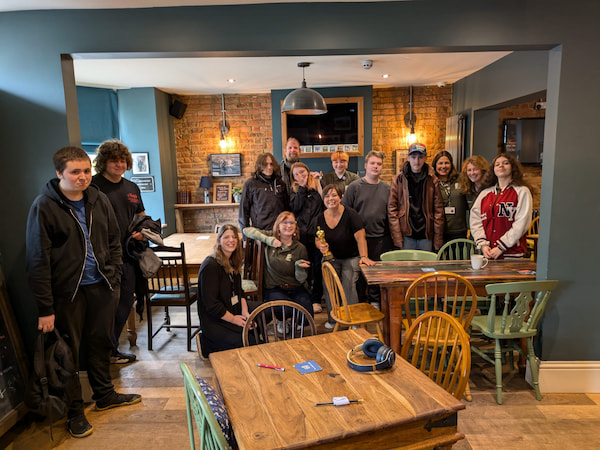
(415, 206)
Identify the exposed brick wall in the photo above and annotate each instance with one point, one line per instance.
(431, 105)
(532, 174)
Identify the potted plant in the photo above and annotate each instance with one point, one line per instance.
(236, 191)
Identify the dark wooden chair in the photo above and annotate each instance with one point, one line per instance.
(171, 287)
(252, 277)
(294, 318)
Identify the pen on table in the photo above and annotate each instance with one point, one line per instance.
(332, 403)
(267, 366)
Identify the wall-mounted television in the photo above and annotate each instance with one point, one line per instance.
(524, 138)
(340, 128)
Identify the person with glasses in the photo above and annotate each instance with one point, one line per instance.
(286, 261)
(501, 214)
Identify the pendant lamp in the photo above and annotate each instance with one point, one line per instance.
(304, 101)
(410, 119)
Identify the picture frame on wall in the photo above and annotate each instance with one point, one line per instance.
(141, 163)
(226, 164)
(401, 156)
(222, 193)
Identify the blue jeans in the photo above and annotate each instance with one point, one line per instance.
(298, 295)
(417, 244)
(348, 270)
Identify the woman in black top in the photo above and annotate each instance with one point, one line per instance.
(222, 307)
(345, 237)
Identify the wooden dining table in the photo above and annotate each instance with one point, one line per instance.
(394, 277)
(197, 247)
(271, 409)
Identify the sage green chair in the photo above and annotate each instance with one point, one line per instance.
(209, 430)
(524, 304)
(408, 255)
(457, 249)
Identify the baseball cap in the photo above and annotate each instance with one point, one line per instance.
(416, 147)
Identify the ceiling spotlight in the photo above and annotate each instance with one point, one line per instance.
(441, 84)
(304, 101)
(231, 80)
(385, 75)
(367, 64)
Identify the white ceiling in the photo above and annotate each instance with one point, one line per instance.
(254, 74)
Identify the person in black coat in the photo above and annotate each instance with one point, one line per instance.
(222, 306)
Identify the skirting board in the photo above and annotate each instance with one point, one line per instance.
(570, 377)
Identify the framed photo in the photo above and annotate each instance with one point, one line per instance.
(306, 148)
(141, 164)
(318, 148)
(401, 158)
(222, 192)
(146, 184)
(226, 165)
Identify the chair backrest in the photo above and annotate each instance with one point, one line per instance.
(534, 227)
(172, 276)
(254, 263)
(408, 255)
(339, 303)
(441, 291)
(524, 304)
(457, 249)
(211, 435)
(437, 345)
(279, 311)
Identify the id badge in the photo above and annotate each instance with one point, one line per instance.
(449, 210)
(234, 300)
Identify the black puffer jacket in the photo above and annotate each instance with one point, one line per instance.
(56, 246)
(262, 201)
(307, 205)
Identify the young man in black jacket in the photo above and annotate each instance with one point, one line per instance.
(74, 265)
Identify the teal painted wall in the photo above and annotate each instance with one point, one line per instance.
(33, 119)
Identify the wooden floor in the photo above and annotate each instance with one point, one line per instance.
(159, 422)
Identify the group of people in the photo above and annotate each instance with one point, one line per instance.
(359, 218)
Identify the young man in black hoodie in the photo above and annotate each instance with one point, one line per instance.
(73, 260)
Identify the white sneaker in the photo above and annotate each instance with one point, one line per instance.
(330, 325)
(281, 328)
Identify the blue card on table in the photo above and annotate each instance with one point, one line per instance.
(307, 367)
(427, 269)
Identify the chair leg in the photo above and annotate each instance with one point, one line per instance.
(149, 319)
(534, 369)
(167, 320)
(468, 396)
(498, 364)
(189, 328)
(379, 331)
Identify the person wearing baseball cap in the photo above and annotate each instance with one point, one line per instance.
(416, 206)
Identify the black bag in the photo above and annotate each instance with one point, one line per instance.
(54, 377)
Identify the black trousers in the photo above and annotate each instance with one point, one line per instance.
(131, 272)
(87, 322)
(376, 246)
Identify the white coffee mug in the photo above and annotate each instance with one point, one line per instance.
(478, 262)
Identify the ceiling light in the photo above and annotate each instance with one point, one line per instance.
(385, 75)
(231, 80)
(304, 101)
(410, 119)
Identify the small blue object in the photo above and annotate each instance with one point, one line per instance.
(427, 269)
(218, 408)
(307, 367)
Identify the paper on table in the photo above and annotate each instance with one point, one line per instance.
(203, 237)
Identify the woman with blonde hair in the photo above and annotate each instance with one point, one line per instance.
(222, 306)
(470, 180)
(307, 205)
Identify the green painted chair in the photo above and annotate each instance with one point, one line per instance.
(457, 249)
(524, 304)
(408, 255)
(209, 430)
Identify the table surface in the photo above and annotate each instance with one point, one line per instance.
(273, 409)
(394, 278)
(197, 246)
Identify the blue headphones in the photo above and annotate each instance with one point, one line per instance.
(373, 348)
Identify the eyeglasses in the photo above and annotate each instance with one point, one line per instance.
(288, 223)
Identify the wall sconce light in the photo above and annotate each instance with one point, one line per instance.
(206, 183)
(304, 101)
(223, 127)
(410, 119)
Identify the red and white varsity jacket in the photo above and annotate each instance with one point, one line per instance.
(502, 219)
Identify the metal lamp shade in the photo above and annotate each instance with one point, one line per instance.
(304, 102)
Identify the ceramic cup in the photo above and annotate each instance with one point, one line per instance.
(478, 262)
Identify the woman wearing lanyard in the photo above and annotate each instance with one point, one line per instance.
(455, 202)
(222, 308)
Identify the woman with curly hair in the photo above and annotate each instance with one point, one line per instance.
(471, 177)
(222, 306)
(455, 202)
(501, 214)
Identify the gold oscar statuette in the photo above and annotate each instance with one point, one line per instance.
(321, 235)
